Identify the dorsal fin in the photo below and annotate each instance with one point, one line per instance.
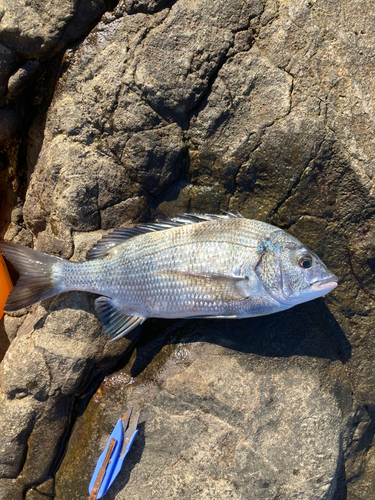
(118, 236)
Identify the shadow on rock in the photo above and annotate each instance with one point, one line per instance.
(305, 330)
(4, 341)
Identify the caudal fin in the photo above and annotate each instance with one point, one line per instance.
(36, 277)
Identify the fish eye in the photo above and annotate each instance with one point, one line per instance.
(305, 261)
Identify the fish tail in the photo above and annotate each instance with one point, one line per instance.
(36, 280)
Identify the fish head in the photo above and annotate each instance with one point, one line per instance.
(291, 272)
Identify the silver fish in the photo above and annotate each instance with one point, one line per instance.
(217, 266)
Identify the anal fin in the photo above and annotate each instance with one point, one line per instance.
(113, 319)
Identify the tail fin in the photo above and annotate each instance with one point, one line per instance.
(36, 279)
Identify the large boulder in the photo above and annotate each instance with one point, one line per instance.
(225, 413)
(260, 107)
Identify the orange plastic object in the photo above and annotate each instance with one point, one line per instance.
(5, 284)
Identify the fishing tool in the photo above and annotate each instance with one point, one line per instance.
(113, 456)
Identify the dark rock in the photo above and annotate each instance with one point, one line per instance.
(4, 339)
(10, 123)
(153, 159)
(128, 211)
(248, 96)
(8, 63)
(145, 6)
(23, 77)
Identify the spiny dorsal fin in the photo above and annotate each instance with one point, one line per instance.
(118, 236)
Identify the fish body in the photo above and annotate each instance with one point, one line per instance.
(189, 266)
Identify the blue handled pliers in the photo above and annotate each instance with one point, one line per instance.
(113, 456)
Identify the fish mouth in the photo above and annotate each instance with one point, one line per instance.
(327, 283)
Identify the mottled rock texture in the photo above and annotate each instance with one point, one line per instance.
(217, 420)
(265, 107)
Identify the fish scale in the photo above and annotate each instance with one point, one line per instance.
(189, 266)
(133, 273)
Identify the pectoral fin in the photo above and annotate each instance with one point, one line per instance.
(213, 286)
(113, 319)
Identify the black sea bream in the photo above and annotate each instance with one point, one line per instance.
(190, 266)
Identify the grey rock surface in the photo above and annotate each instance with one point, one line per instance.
(54, 354)
(37, 29)
(216, 422)
(32, 38)
(166, 107)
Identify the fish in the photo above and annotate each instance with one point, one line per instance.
(189, 266)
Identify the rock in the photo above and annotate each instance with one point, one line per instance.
(248, 96)
(4, 339)
(140, 165)
(161, 64)
(254, 428)
(12, 325)
(35, 495)
(10, 123)
(38, 390)
(10, 489)
(131, 210)
(31, 30)
(23, 77)
(47, 488)
(8, 62)
(36, 30)
(154, 158)
(32, 37)
(163, 107)
(145, 6)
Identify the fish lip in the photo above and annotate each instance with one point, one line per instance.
(331, 282)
